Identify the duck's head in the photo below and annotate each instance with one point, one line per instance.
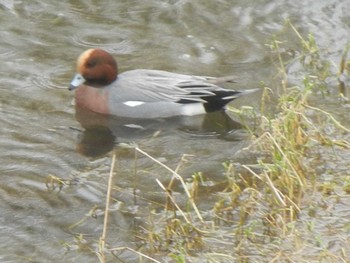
(96, 68)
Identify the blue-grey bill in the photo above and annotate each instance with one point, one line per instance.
(76, 82)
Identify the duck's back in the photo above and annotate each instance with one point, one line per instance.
(154, 93)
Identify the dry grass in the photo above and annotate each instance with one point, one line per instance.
(257, 215)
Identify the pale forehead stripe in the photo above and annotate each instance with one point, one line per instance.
(83, 57)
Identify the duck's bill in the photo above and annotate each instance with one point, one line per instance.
(76, 82)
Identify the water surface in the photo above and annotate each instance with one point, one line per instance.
(41, 138)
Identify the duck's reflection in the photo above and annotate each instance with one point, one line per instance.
(96, 141)
(102, 132)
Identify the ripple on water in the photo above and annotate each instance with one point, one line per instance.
(7, 52)
(94, 40)
(52, 79)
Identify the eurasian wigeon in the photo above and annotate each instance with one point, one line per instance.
(143, 93)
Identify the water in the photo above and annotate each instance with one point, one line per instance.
(42, 139)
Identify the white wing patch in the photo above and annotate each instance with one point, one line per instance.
(133, 103)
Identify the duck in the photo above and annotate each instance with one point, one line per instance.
(145, 93)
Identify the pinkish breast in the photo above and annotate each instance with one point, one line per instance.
(94, 99)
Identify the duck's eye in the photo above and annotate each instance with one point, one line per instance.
(91, 63)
